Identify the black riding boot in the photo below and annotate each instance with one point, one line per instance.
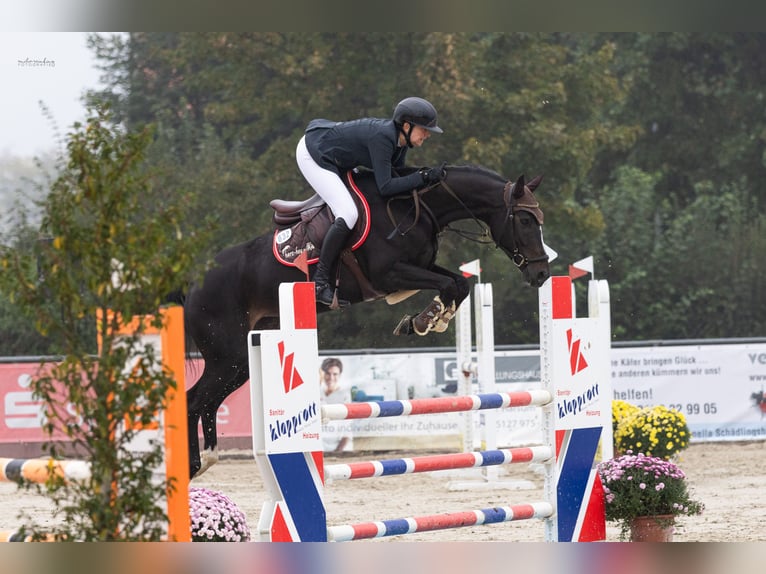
(331, 247)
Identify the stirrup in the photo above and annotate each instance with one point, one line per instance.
(326, 295)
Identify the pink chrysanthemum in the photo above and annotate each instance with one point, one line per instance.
(215, 518)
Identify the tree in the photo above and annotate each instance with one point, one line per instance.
(683, 109)
(681, 273)
(698, 99)
(106, 253)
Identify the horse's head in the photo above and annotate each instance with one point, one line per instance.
(521, 234)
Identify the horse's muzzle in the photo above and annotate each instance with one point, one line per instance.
(537, 274)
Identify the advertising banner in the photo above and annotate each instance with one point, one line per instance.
(292, 420)
(719, 388)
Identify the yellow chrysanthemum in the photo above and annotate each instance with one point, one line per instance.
(655, 431)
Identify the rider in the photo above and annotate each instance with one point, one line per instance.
(329, 149)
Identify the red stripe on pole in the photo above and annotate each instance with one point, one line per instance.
(361, 469)
(365, 530)
(440, 521)
(304, 306)
(561, 293)
(358, 410)
(523, 511)
(522, 454)
(520, 398)
(442, 404)
(444, 462)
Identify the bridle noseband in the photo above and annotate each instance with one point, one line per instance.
(519, 259)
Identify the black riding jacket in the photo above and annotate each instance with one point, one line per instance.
(366, 142)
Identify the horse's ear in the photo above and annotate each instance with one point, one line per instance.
(518, 187)
(532, 185)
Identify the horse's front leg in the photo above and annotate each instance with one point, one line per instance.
(452, 289)
(444, 318)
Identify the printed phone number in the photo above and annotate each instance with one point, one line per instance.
(517, 424)
(695, 408)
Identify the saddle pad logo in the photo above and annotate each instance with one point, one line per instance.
(290, 376)
(577, 360)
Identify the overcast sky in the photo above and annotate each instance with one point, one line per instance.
(53, 67)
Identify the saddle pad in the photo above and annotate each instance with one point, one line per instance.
(306, 236)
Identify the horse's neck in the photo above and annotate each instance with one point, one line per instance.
(466, 196)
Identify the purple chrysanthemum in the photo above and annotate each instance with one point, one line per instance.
(215, 518)
(639, 485)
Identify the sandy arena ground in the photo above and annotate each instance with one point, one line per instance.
(730, 478)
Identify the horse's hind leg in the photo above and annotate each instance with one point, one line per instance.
(209, 456)
(202, 403)
(193, 415)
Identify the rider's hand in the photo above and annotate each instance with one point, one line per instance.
(433, 175)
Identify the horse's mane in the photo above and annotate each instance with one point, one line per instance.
(478, 168)
(466, 167)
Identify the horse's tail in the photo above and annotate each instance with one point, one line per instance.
(178, 297)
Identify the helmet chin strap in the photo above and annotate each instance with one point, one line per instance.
(407, 134)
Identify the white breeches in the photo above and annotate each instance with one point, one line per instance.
(327, 184)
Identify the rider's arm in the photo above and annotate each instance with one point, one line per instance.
(381, 151)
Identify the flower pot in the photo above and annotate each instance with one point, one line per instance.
(652, 528)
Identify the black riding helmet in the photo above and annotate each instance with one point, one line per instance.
(416, 112)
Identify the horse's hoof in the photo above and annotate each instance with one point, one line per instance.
(405, 326)
(442, 321)
(208, 457)
(422, 326)
(428, 319)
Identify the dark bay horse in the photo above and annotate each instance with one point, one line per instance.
(240, 292)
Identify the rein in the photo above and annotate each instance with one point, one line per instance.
(416, 203)
(484, 237)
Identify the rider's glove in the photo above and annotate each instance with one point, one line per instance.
(433, 175)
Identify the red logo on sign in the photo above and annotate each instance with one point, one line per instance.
(290, 377)
(577, 361)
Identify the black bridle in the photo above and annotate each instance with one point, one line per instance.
(519, 259)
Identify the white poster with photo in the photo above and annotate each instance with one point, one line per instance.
(404, 376)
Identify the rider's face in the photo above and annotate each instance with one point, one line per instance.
(419, 135)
